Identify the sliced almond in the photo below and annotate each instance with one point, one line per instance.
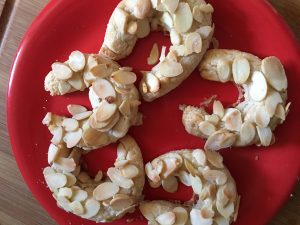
(215, 159)
(52, 153)
(240, 70)
(70, 124)
(207, 128)
(121, 19)
(76, 109)
(132, 27)
(225, 211)
(171, 5)
(193, 43)
(265, 135)
(123, 77)
(167, 218)
(143, 28)
(79, 195)
(73, 138)
(64, 164)
(125, 108)
(76, 208)
(101, 71)
(154, 55)
(92, 207)
(233, 120)
(170, 184)
(247, 133)
(105, 191)
(181, 216)
(77, 61)
(198, 14)
(63, 203)
(152, 174)
(205, 31)
(274, 73)
(218, 108)
(92, 137)
(272, 100)
(121, 201)
(105, 111)
(196, 184)
(98, 176)
(175, 37)
(56, 180)
(199, 156)
(259, 87)
(103, 88)
(61, 71)
(82, 116)
(262, 118)
(162, 53)
(48, 170)
(178, 49)
(223, 70)
(215, 176)
(47, 119)
(152, 82)
(57, 135)
(130, 171)
(191, 169)
(184, 178)
(197, 218)
(169, 68)
(71, 179)
(280, 112)
(121, 163)
(183, 18)
(206, 8)
(65, 192)
(64, 87)
(121, 127)
(76, 82)
(116, 176)
(170, 166)
(213, 119)
(167, 20)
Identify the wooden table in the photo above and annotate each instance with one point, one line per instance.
(17, 205)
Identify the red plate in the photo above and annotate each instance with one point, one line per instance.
(265, 176)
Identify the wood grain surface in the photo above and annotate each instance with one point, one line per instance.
(17, 205)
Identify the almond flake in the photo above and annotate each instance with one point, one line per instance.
(207, 128)
(70, 124)
(280, 112)
(196, 184)
(193, 43)
(105, 111)
(167, 218)
(103, 88)
(143, 28)
(198, 14)
(92, 207)
(184, 178)
(132, 27)
(123, 77)
(130, 171)
(47, 119)
(205, 31)
(199, 156)
(77, 61)
(154, 55)
(61, 71)
(218, 108)
(225, 211)
(170, 184)
(116, 176)
(223, 70)
(121, 201)
(152, 82)
(240, 70)
(233, 119)
(56, 180)
(181, 216)
(183, 18)
(262, 118)
(206, 8)
(215, 159)
(82, 116)
(73, 138)
(64, 164)
(175, 37)
(79, 195)
(121, 127)
(101, 71)
(52, 153)
(171, 5)
(65, 192)
(64, 87)
(76, 109)
(92, 137)
(197, 218)
(167, 20)
(271, 102)
(265, 135)
(121, 19)
(259, 87)
(215, 176)
(247, 133)
(105, 191)
(76, 82)
(57, 135)
(169, 68)
(76, 208)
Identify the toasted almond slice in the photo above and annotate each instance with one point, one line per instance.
(272, 100)
(79, 195)
(63, 203)
(158, 165)
(274, 73)
(116, 176)
(207, 128)
(123, 77)
(121, 19)
(83, 177)
(64, 87)
(198, 14)
(76, 109)
(205, 31)
(197, 218)
(121, 201)
(64, 164)
(143, 28)
(169, 68)
(98, 176)
(152, 174)
(92, 137)
(82, 116)
(52, 153)
(130, 171)
(218, 108)
(196, 184)
(184, 178)
(221, 221)
(215, 176)
(121, 163)
(61, 71)
(77, 61)
(57, 135)
(65, 192)
(167, 20)
(170, 184)
(73, 138)
(170, 166)
(71, 179)
(76, 208)
(233, 120)
(132, 27)
(259, 87)
(199, 156)
(105, 111)
(247, 133)
(47, 119)
(213, 119)
(240, 70)
(193, 43)
(101, 71)
(162, 53)
(262, 118)
(167, 218)
(171, 5)
(175, 37)
(103, 88)
(224, 70)
(121, 127)
(181, 216)
(225, 211)
(70, 124)
(56, 180)
(178, 49)
(206, 8)
(125, 108)
(183, 18)
(105, 191)
(154, 55)
(92, 207)
(280, 112)
(215, 159)
(48, 170)
(190, 168)
(76, 82)
(152, 82)
(265, 135)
